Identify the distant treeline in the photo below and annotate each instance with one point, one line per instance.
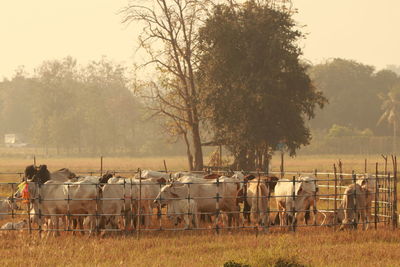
(356, 93)
(90, 110)
(79, 109)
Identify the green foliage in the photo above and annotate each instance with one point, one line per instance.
(235, 264)
(339, 131)
(256, 91)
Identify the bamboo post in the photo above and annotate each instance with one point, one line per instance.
(376, 206)
(34, 160)
(335, 213)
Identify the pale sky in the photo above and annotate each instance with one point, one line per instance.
(34, 31)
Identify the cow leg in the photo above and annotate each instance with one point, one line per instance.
(56, 228)
(195, 220)
(307, 213)
(315, 213)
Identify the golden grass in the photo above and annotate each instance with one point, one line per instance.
(298, 163)
(313, 248)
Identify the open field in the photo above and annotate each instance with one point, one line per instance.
(310, 248)
(298, 163)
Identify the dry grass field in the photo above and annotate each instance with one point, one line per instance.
(308, 247)
(299, 163)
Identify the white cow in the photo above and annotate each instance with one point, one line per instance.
(205, 193)
(178, 208)
(256, 196)
(6, 207)
(310, 182)
(290, 199)
(121, 197)
(14, 225)
(58, 199)
(152, 174)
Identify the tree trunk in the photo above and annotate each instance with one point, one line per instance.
(188, 152)
(198, 152)
(394, 136)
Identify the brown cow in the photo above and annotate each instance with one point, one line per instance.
(355, 206)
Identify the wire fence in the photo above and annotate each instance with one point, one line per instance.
(191, 203)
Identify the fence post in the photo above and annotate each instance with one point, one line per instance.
(394, 216)
(217, 208)
(376, 206)
(124, 205)
(355, 202)
(389, 199)
(340, 173)
(101, 166)
(335, 213)
(257, 225)
(294, 204)
(165, 166)
(38, 184)
(315, 198)
(68, 209)
(189, 212)
(139, 205)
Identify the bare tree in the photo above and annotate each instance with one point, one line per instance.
(169, 36)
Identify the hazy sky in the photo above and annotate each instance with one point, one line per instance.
(33, 31)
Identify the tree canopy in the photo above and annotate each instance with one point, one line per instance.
(257, 90)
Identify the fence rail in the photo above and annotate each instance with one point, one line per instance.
(136, 205)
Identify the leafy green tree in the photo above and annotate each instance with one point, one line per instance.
(256, 90)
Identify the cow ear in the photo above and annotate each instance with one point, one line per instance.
(300, 190)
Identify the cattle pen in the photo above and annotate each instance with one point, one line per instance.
(139, 213)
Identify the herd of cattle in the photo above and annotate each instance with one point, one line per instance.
(116, 203)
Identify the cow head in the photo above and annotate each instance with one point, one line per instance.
(12, 205)
(29, 172)
(104, 179)
(271, 182)
(168, 192)
(42, 175)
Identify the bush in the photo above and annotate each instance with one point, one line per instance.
(235, 264)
